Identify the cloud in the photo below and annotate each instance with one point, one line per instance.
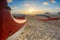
(27, 4)
(14, 7)
(45, 3)
(57, 8)
(53, 1)
(9, 1)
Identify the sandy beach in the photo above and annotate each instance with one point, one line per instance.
(40, 30)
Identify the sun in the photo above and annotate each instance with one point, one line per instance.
(31, 10)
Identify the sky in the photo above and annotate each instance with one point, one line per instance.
(34, 6)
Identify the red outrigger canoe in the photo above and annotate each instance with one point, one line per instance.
(48, 19)
(8, 24)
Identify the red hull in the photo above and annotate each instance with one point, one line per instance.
(9, 26)
(47, 19)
